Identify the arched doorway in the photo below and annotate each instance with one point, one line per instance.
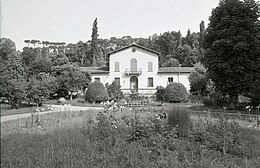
(134, 84)
(133, 65)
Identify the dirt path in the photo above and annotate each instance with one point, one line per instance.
(54, 108)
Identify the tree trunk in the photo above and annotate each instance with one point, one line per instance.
(70, 96)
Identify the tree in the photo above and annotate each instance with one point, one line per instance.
(40, 88)
(114, 92)
(11, 73)
(97, 58)
(198, 80)
(201, 36)
(69, 79)
(172, 62)
(232, 47)
(186, 55)
(7, 47)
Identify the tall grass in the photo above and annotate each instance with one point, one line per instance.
(179, 117)
(82, 140)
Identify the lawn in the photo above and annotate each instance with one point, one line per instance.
(7, 110)
(131, 138)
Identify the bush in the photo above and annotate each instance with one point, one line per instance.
(176, 92)
(96, 93)
(215, 100)
(195, 99)
(160, 94)
(114, 91)
(227, 137)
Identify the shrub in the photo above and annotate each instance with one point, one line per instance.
(176, 92)
(160, 94)
(195, 99)
(180, 118)
(96, 92)
(228, 138)
(114, 91)
(215, 100)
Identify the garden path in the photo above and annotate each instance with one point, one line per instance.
(53, 109)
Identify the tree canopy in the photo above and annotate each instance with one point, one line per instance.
(232, 45)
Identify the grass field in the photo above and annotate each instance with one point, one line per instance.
(121, 139)
(7, 110)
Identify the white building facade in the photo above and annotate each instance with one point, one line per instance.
(136, 69)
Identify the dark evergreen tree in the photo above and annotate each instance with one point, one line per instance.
(97, 58)
(201, 35)
(232, 47)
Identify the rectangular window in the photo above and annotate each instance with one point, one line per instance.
(170, 80)
(116, 66)
(150, 82)
(117, 81)
(150, 66)
(97, 79)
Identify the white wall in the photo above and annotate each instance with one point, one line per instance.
(143, 57)
(179, 78)
(104, 78)
(124, 58)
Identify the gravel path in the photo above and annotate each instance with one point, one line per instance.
(53, 109)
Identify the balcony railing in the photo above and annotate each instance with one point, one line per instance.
(129, 71)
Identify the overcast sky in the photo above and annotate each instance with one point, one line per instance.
(71, 20)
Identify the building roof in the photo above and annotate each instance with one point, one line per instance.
(95, 70)
(175, 69)
(134, 45)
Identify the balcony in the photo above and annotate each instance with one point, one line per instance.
(129, 71)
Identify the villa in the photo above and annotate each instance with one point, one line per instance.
(136, 69)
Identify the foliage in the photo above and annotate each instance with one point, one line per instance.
(97, 58)
(114, 92)
(232, 47)
(126, 141)
(176, 92)
(195, 99)
(96, 92)
(180, 118)
(129, 139)
(215, 100)
(40, 88)
(198, 80)
(160, 93)
(70, 78)
(7, 47)
(175, 50)
(227, 137)
(12, 83)
(254, 94)
(172, 62)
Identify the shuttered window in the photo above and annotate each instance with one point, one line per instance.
(133, 65)
(170, 80)
(150, 66)
(117, 81)
(116, 66)
(150, 82)
(97, 79)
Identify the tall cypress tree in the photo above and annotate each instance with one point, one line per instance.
(232, 47)
(202, 32)
(97, 58)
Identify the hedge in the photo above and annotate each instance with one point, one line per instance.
(96, 93)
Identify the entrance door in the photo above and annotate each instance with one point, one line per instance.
(134, 84)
